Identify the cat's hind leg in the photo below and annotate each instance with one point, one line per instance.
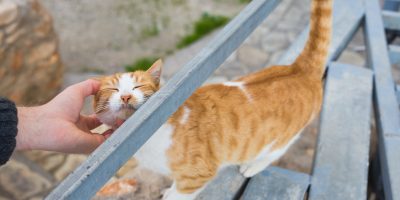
(254, 167)
(189, 180)
(265, 158)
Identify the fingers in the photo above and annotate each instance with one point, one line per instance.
(87, 88)
(71, 100)
(108, 133)
(88, 142)
(119, 122)
(90, 121)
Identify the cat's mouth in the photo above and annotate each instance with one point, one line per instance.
(127, 107)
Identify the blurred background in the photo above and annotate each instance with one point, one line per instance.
(47, 45)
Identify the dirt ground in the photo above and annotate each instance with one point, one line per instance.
(103, 36)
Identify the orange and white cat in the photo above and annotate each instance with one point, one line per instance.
(121, 94)
(249, 122)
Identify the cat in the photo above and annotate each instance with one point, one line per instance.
(249, 122)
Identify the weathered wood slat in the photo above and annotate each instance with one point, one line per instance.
(392, 5)
(110, 156)
(226, 186)
(394, 54)
(340, 169)
(391, 20)
(276, 184)
(378, 59)
(346, 21)
(386, 106)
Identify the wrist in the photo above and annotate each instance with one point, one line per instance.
(28, 127)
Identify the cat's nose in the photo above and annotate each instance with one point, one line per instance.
(125, 98)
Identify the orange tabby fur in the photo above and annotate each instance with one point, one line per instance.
(232, 123)
(118, 188)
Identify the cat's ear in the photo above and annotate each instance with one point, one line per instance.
(155, 70)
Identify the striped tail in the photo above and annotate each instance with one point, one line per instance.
(312, 59)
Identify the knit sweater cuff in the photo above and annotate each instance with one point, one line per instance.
(8, 129)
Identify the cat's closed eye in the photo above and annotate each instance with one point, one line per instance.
(136, 87)
(113, 89)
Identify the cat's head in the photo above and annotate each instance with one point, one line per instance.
(122, 94)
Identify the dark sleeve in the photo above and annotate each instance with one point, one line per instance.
(8, 129)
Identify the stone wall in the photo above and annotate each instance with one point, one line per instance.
(30, 66)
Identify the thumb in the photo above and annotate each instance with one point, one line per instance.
(73, 97)
(86, 88)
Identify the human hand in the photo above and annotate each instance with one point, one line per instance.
(58, 125)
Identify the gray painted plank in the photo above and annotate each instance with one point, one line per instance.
(276, 184)
(391, 20)
(389, 148)
(378, 59)
(340, 169)
(392, 5)
(394, 54)
(386, 105)
(113, 153)
(226, 186)
(346, 21)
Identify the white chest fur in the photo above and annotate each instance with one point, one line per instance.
(152, 154)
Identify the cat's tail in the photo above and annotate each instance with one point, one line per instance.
(312, 59)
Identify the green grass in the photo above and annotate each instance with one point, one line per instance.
(178, 2)
(244, 1)
(141, 64)
(150, 31)
(206, 24)
(202, 27)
